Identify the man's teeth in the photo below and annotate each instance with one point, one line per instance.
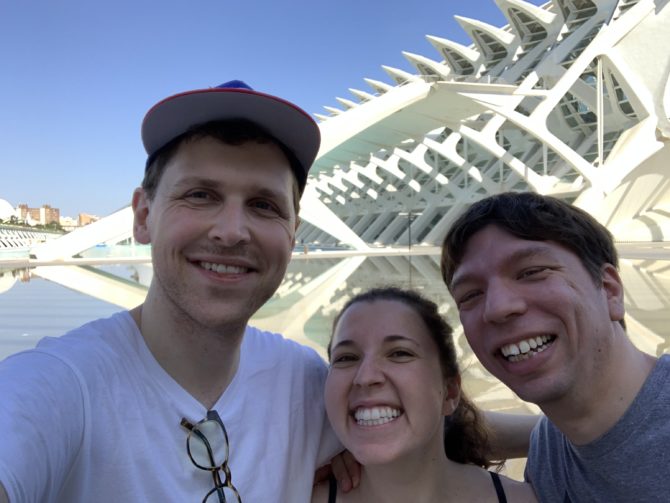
(525, 349)
(376, 415)
(222, 268)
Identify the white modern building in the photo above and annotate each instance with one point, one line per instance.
(570, 99)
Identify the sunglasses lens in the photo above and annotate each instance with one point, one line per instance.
(208, 445)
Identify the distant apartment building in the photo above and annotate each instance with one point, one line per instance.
(68, 223)
(44, 215)
(85, 219)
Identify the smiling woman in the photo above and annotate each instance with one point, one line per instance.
(393, 397)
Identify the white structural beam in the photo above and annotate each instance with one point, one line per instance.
(113, 228)
(318, 214)
(291, 322)
(408, 111)
(95, 283)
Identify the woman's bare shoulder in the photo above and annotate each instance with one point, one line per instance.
(516, 491)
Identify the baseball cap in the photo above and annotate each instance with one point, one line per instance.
(287, 123)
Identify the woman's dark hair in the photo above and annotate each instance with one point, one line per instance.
(466, 438)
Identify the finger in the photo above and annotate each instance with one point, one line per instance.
(322, 474)
(341, 473)
(353, 468)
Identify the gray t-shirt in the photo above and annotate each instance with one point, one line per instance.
(630, 463)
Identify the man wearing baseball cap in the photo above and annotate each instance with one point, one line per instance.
(178, 399)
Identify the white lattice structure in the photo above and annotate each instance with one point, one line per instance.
(570, 99)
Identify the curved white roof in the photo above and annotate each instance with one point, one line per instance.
(6, 210)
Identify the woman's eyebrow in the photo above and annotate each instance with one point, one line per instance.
(343, 343)
(400, 338)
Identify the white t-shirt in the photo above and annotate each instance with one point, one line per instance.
(91, 416)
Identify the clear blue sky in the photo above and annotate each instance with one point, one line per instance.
(77, 76)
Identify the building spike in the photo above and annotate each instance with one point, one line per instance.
(400, 76)
(378, 85)
(333, 110)
(427, 66)
(442, 44)
(539, 14)
(469, 25)
(347, 103)
(361, 95)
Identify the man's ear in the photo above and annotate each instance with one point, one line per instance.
(140, 216)
(452, 395)
(613, 288)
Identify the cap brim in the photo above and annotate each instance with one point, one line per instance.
(289, 124)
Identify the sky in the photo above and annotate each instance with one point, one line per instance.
(77, 76)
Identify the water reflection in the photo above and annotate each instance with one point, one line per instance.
(316, 288)
(9, 277)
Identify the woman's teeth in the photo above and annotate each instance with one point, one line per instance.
(375, 415)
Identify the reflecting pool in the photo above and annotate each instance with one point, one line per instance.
(49, 300)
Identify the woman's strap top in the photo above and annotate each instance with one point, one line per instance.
(332, 488)
(498, 486)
